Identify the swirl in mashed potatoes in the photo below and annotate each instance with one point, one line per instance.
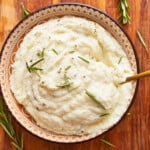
(66, 74)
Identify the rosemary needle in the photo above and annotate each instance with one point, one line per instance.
(25, 11)
(83, 59)
(104, 115)
(142, 40)
(120, 59)
(107, 142)
(67, 68)
(6, 123)
(32, 66)
(37, 62)
(55, 51)
(71, 51)
(66, 83)
(40, 53)
(92, 97)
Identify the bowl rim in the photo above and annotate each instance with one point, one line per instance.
(99, 11)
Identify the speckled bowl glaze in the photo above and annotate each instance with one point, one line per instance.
(15, 37)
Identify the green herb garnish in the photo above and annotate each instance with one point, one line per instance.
(66, 83)
(83, 59)
(40, 53)
(55, 51)
(32, 67)
(123, 7)
(71, 51)
(107, 142)
(105, 114)
(92, 97)
(25, 11)
(67, 68)
(6, 123)
(142, 40)
(120, 59)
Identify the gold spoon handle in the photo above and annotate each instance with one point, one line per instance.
(139, 75)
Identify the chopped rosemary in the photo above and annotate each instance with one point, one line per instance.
(71, 51)
(142, 40)
(120, 59)
(83, 59)
(104, 115)
(40, 53)
(67, 68)
(37, 62)
(123, 7)
(25, 11)
(107, 142)
(55, 51)
(6, 123)
(66, 83)
(92, 97)
(32, 66)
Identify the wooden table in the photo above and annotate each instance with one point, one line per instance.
(133, 132)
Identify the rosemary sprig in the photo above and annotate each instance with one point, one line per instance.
(6, 123)
(92, 97)
(123, 7)
(55, 51)
(83, 59)
(142, 40)
(25, 11)
(107, 142)
(32, 66)
(105, 114)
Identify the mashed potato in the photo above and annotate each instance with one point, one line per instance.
(66, 74)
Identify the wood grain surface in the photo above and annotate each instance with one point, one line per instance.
(133, 132)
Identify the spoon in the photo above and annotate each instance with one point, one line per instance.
(137, 76)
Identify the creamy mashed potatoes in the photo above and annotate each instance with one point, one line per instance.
(66, 74)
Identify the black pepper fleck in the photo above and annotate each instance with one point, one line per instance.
(42, 82)
(43, 104)
(37, 108)
(75, 45)
(82, 131)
